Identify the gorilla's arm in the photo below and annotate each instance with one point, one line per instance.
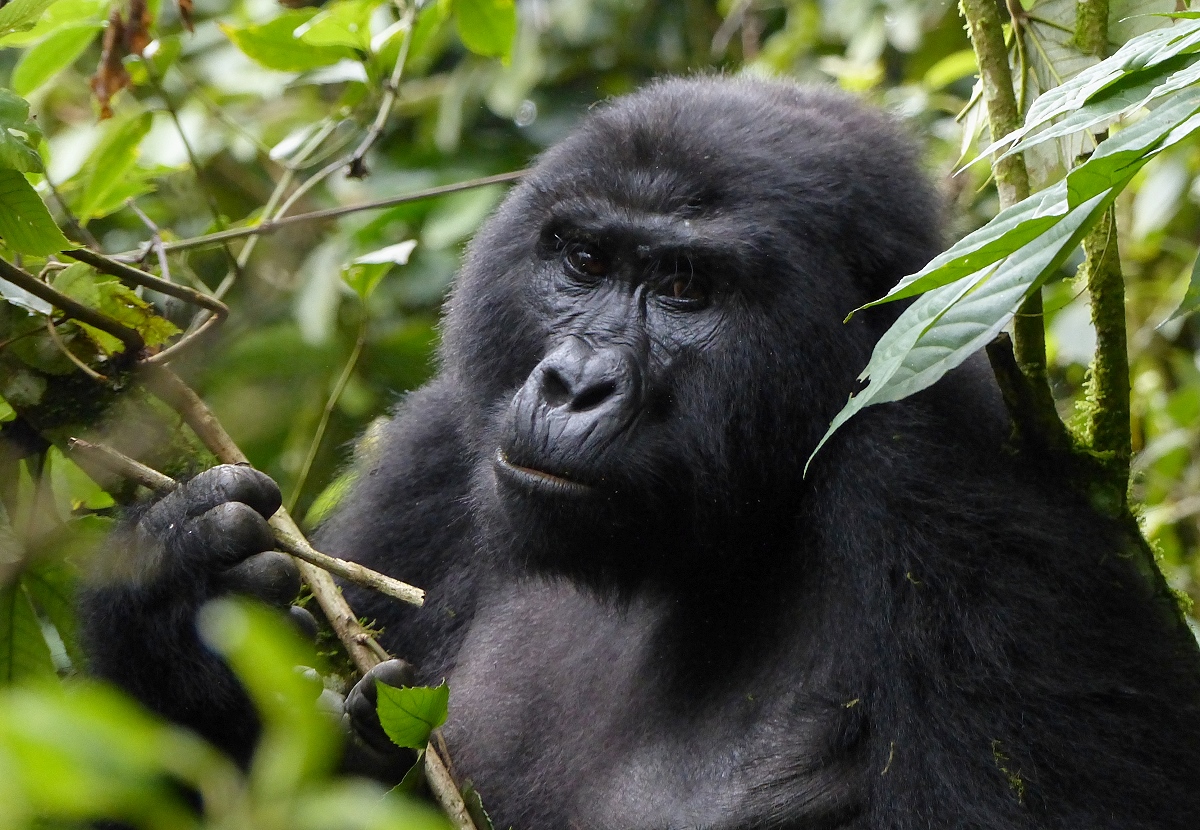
(138, 617)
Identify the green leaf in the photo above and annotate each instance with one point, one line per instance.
(51, 586)
(951, 68)
(24, 654)
(60, 14)
(109, 164)
(275, 45)
(298, 741)
(87, 752)
(409, 714)
(108, 295)
(21, 15)
(949, 324)
(50, 56)
(1145, 57)
(1012, 228)
(346, 23)
(475, 810)
(25, 224)
(1191, 300)
(1121, 155)
(19, 135)
(365, 272)
(487, 27)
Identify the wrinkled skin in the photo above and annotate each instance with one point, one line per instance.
(648, 616)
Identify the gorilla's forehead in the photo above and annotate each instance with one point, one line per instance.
(691, 147)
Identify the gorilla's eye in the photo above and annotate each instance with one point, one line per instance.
(585, 260)
(685, 288)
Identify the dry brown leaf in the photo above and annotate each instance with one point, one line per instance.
(185, 14)
(137, 27)
(110, 77)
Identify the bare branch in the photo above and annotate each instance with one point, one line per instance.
(272, 225)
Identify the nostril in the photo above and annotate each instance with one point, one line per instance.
(594, 395)
(554, 389)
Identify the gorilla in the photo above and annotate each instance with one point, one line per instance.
(648, 615)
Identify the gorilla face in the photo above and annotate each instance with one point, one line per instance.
(652, 319)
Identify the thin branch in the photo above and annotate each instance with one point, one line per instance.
(273, 225)
(127, 273)
(132, 340)
(122, 465)
(330, 403)
(62, 347)
(156, 241)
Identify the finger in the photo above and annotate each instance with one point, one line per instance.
(360, 703)
(228, 482)
(271, 577)
(226, 534)
(305, 623)
(233, 482)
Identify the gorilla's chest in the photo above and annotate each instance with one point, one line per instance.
(563, 714)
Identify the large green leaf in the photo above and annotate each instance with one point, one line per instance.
(60, 14)
(21, 15)
(19, 135)
(1145, 59)
(1112, 165)
(105, 293)
(50, 56)
(109, 165)
(25, 224)
(409, 714)
(487, 27)
(24, 654)
(949, 324)
(346, 23)
(275, 45)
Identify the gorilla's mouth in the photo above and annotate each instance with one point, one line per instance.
(538, 481)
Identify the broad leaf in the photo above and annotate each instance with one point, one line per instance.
(24, 654)
(60, 14)
(487, 27)
(47, 58)
(1140, 61)
(119, 302)
(25, 224)
(21, 15)
(109, 165)
(410, 713)
(946, 326)
(346, 23)
(19, 135)
(275, 45)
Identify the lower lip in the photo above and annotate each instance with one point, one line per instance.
(537, 480)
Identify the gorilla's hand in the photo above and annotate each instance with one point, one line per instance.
(210, 536)
(207, 538)
(369, 751)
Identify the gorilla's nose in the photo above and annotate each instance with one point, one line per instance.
(577, 379)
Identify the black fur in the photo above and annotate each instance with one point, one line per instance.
(679, 630)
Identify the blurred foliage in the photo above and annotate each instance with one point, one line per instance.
(226, 112)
